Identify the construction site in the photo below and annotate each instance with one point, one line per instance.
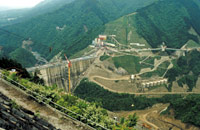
(110, 71)
(149, 80)
(133, 69)
(104, 62)
(100, 65)
(121, 68)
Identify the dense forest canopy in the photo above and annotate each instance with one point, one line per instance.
(69, 26)
(186, 70)
(13, 16)
(9, 64)
(169, 21)
(114, 101)
(92, 92)
(81, 20)
(187, 109)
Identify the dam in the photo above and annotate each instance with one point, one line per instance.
(57, 73)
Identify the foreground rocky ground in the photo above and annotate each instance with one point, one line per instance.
(14, 117)
(10, 116)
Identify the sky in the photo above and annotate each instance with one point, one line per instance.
(19, 3)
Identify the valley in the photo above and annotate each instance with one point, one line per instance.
(105, 75)
(105, 64)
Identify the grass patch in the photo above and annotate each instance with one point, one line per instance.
(104, 57)
(192, 43)
(14, 105)
(159, 72)
(129, 63)
(150, 60)
(125, 30)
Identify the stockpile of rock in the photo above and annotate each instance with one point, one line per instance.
(121, 71)
(13, 117)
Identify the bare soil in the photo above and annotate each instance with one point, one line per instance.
(122, 86)
(152, 117)
(100, 74)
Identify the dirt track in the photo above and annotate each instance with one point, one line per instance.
(98, 71)
(113, 79)
(144, 118)
(99, 74)
(152, 117)
(147, 93)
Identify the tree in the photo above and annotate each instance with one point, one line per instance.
(9, 64)
(36, 79)
(132, 120)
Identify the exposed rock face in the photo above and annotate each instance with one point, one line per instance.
(13, 117)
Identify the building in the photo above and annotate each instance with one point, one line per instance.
(103, 37)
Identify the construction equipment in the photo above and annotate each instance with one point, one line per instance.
(69, 66)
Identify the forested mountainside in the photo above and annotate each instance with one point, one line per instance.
(13, 16)
(175, 22)
(185, 71)
(70, 28)
(190, 112)
(73, 26)
(123, 102)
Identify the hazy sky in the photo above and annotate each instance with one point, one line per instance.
(19, 3)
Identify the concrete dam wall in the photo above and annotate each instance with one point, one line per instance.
(57, 73)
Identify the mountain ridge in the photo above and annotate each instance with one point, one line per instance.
(172, 22)
(73, 26)
(76, 17)
(23, 14)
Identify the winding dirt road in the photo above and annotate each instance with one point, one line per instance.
(112, 79)
(144, 119)
(147, 93)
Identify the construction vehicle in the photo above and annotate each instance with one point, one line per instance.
(69, 66)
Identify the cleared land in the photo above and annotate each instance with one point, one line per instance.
(153, 118)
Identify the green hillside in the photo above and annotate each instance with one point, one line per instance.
(13, 16)
(186, 70)
(92, 92)
(125, 30)
(132, 68)
(81, 20)
(176, 22)
(169, 21)
(73, 26)
(190, 114)
(24, 57)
